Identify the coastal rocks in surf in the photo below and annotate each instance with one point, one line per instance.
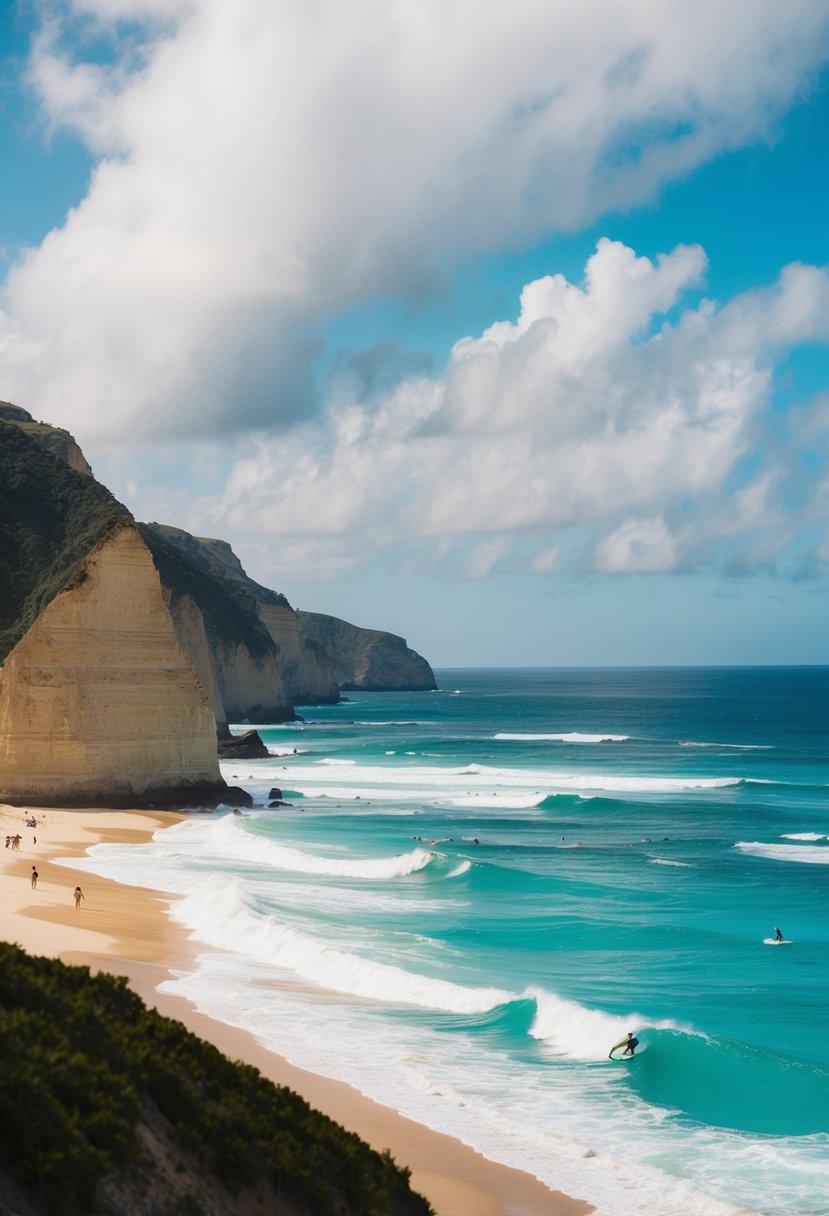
(247, 746)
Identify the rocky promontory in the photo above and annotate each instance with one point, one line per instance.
(368, 659)
(126, 649)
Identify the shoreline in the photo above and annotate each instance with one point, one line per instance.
(127, 931)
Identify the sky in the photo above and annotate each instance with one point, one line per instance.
(501, 327)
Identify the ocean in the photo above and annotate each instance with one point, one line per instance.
(474, 893)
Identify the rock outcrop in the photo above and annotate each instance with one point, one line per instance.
(247, 746)
(368, 659)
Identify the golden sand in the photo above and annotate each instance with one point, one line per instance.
(126, 930)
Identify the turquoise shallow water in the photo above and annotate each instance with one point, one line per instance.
(477, 891)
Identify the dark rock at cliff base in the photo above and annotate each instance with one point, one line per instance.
(247, 746)
(236, 796)
(276, 792)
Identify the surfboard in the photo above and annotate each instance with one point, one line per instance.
(618, 1047)
(777, 941)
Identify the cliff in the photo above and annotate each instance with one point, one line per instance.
(316, 655)
(98, 702)
(232, 649)
(58, 441)
(368, 659)
(306, 672)
(126, 648)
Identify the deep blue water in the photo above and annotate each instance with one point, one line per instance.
(476, 892)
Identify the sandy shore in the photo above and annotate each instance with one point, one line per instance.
(126, 930)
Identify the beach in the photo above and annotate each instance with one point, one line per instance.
(126, 930)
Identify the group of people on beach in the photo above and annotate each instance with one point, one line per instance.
(77, 894)
(14, 841)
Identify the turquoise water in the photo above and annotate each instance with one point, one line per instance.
(476, 892)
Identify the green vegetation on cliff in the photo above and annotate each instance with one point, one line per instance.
(51, 517)
(108, 1107)
(229, 611)
(217, 558)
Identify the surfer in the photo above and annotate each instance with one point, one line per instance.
(778, 935)
(629, 1043)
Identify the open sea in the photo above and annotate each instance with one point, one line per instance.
(476, 892)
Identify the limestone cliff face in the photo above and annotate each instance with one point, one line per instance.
(368, 658)
(191, 632)
(307, 670)
(98, 701)
(250, 686)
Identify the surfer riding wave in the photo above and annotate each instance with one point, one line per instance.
(628, 1043)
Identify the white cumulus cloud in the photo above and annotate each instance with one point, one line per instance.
(261, 167)
(591, 428)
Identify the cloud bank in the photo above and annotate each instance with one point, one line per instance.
(261, 168)
(614, 426)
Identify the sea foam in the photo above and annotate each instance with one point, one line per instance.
(232, 842)
(810, 854)
(228, 918)
(571, 737)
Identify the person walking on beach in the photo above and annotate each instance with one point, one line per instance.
(34, 878)
(79, 895)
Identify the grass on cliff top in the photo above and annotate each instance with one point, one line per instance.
(51, 517)
(86, 1065)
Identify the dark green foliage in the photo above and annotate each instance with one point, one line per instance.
(217, 558)
(51, 517)
(84, 1062)
(229, 611)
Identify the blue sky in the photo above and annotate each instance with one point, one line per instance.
(501, 328)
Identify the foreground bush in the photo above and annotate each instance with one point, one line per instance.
(106, 1106)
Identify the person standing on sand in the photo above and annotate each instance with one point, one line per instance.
(79, 895)
(34, 878)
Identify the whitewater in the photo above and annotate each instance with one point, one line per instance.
(469, 896)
